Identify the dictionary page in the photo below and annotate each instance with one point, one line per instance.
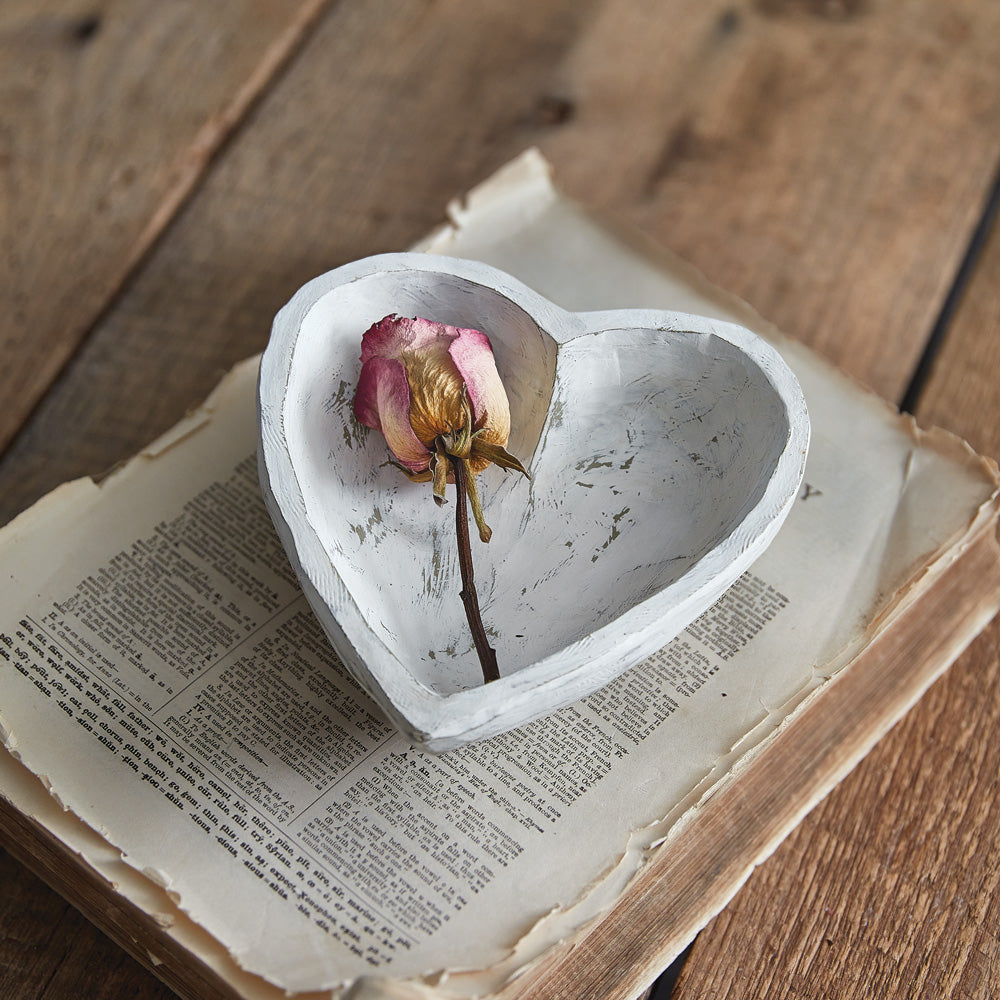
(163, 676)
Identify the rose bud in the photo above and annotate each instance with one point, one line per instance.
(435, 394)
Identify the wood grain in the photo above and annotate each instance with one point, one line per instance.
(352, 154)
(962, 391)
(110, 112)
(824, 160)
(890, 888)
(40, 928)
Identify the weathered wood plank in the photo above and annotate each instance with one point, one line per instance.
(890, 887)
(828, 170)
(962, 391)
(41, 931)
(823, 160)
(110, 112)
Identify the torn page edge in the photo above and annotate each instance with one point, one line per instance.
(103, 862)
(517, 193)
(199, 416)
(76, 496)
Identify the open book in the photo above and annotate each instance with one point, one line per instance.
(186, 761)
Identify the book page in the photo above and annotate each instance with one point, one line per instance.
(163, 675)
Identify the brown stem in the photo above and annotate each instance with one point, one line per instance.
(487, 656)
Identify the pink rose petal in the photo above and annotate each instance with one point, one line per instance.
(383, 403)
(393, 336)
(473, 356)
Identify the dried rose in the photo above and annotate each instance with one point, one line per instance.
(434, 392)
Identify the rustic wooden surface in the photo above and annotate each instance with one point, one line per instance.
(111, 112)
(829, 160)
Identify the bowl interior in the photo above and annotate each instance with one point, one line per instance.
(646, 448)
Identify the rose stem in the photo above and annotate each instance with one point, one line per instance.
(487, 655)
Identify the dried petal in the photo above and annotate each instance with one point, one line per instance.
(473, 357)
(382, 402)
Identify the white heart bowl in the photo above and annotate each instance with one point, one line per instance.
(664, 449)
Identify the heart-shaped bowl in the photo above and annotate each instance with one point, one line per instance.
(664, 450)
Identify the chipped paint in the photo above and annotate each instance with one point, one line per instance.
(627, 411)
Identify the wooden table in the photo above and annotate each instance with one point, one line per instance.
(172, 172)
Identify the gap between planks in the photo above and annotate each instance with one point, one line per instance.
(963, 277)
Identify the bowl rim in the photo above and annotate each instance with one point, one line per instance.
(442, 720)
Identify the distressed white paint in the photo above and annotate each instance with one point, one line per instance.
(664, 450)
